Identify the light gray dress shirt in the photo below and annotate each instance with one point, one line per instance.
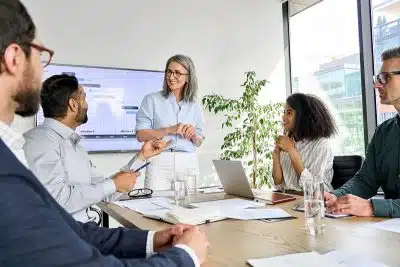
(55, 156)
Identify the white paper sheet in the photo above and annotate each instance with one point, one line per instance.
(231, 204)
(163, 193)
(392, 225)
(164, 167)
(335, 258)
(255, 214)
(146, 205)
(347, 260)
(307, 259)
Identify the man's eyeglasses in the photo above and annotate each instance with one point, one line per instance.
(140, 193)
(46, 54)
(383, 77)
(176, 74)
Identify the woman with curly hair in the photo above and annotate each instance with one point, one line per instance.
(304, 150)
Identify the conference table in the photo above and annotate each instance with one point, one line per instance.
(235, 241)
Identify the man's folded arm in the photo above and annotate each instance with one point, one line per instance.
(36, 233)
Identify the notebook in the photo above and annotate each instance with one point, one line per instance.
(194, 216)
(273, 197)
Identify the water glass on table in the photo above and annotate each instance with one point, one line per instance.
(314, 209)
(181, 193)
(191, 179)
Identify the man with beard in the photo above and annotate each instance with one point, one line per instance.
(34, 229)
(381, 167)
(55, 156)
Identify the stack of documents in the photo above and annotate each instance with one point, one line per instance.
(163, 209)
(313, 259)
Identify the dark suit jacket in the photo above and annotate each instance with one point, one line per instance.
(36, 231)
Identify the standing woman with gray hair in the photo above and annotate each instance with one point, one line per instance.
(173, 112)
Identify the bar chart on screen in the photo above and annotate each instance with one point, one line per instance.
(114, 97)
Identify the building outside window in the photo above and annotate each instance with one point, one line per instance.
(325, 62)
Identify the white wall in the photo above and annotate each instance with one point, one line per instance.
(225, 38)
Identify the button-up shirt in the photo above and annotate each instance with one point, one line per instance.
(157, 112)
(317, 158)
(55, 156)
(14, 140)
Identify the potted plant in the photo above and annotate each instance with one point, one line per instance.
(255, 128)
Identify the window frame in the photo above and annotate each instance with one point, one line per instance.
(364, 15)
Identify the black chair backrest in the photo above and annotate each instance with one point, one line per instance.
(344, 168)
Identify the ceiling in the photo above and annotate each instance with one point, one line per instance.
(296, 6)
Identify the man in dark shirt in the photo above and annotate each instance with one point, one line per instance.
(34, 229)
(381, 167)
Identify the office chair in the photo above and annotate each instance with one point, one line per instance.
(344, 168)
(94, 215)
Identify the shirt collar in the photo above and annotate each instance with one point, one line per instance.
(11, 137)
(172, 97)
(63, 130)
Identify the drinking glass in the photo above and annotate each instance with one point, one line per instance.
(314, 208)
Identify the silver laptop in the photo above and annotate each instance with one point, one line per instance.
(235, 182)
(233, 178)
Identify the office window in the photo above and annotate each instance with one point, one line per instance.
(386, 34)
(325, 61)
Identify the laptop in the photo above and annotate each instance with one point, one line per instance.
(235, 182)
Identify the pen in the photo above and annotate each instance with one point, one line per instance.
(141, 167)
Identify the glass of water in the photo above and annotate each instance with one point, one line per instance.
(181, 193)
(314, 209)
(191, 176)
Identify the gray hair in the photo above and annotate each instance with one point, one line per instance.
(391, 53)
(190, 88)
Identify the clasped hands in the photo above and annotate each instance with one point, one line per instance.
(186, 130)
(182, 234)
(284, 143)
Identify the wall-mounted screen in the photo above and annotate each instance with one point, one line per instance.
(114, 97)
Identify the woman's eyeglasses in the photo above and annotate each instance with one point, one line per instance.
(176, 74)
(140, 193)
